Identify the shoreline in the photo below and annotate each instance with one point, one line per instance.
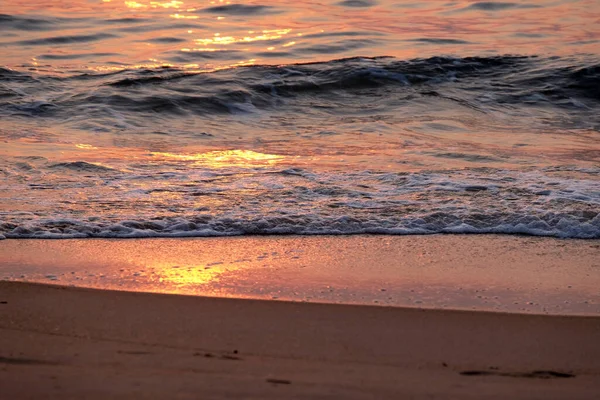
(58, 286)
(62, 342)
(195, 235)
(417, 307)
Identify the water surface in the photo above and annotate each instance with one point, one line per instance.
(198, 118)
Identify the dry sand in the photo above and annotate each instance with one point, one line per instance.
(74, 343)
(65, 343)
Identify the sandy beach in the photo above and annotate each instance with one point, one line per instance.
(350, 199)
(58, 342)
(73, 342)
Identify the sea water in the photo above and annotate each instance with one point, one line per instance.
(213, 118)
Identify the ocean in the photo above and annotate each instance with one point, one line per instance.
(220, 118)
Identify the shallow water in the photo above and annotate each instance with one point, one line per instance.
(149, 118)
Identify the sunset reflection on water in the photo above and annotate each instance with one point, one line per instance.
(129, 34)
(263, 117)
(224, 158)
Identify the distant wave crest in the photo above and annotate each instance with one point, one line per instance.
(483, 82)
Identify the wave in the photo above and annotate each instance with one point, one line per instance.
(483, 83)
(364, 71)
(522, 74)
(81, 166)
(357, 3)
(497, 6)
(562, 225)
(240, 9)
(26, 24)
(195, 201)
(65, 39)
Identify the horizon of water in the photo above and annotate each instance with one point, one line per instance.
(214, 118)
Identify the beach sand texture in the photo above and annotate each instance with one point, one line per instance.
(66, 342)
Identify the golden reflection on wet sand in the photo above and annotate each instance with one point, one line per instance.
(185, 276)
(445, 271)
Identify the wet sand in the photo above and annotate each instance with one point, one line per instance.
(471, 272)
(58, 342)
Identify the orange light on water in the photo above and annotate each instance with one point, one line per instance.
(135, 4)
(225, 40)
(167, 4)
(153, 4)
(85, 146)
(179, 16)
(205, 49)
(224, 158)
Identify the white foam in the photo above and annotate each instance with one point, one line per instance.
(241, 201)
(565, 226)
